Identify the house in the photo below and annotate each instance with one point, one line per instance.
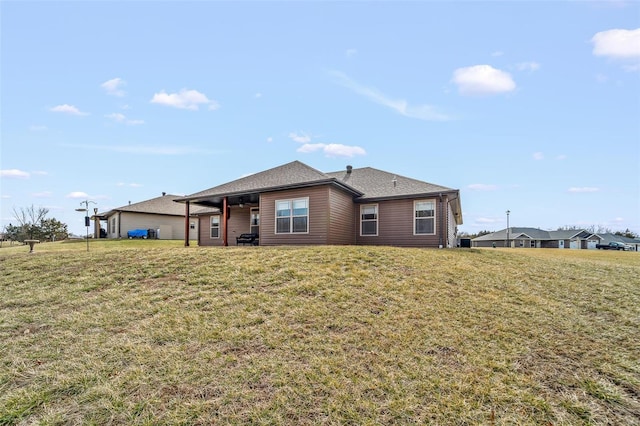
(161, 214)
(633, 244)
(537, 238)
(297, 204)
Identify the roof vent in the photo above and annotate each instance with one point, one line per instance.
(395, 181)
(349, 169)
(129, 202)
(164, 193)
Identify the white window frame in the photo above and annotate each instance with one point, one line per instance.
(211, 227)
(362, 207)
(291, 216)
(415, 218)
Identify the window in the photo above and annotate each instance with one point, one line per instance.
(215, 226)
(254, 226)
(292, 216)
(424, 217)
(113, 225)
(369, 220)
(192, 225)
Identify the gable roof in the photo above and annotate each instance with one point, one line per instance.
(164, 205)
(291, 175)
(378, 184)
(534, 234)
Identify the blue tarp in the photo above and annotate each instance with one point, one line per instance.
(137, 233)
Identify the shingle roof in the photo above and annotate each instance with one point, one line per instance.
(374, 183)
(366, 183)
(160, 205)
(533, 233)
(291, 174)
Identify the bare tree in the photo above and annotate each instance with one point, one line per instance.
(30, 218)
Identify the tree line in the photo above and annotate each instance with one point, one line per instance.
(32, 223)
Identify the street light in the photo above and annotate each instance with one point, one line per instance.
(508, 243)
(87, 221)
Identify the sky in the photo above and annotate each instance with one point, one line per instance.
(531, 107)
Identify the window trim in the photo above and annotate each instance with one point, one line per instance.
(376, 220)
(211, 226)
(434, 217)
(291, 216)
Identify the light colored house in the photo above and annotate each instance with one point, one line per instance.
(161, 214)
(297, 204)
(519, 237)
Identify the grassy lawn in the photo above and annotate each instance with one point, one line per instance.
(150, 332)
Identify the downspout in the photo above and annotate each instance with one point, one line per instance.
(186, 224)
(440, 221)
(119, 214)
(224, 221)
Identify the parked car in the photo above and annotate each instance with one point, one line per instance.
(613, 245)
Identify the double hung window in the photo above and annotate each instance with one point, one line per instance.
(215, 226)
(369, 219)
(292, 216)
(424, 217)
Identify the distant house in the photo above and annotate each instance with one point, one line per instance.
(161, 214)
(538, 238)
(297, 204)
(632, 243)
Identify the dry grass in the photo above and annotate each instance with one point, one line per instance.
(146, 332)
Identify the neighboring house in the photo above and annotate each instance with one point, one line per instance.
(537, 238)
(297, 204)
(632, 243)
(161, 214)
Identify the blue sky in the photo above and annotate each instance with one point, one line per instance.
(532, 107)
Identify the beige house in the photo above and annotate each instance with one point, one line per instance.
(162, 216)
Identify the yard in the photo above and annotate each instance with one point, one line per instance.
(149, 332)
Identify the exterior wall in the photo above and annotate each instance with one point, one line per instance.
(171, 227)
(318, 217)
(452, 228)
(342, 225)
(237, 224)
(395, 225)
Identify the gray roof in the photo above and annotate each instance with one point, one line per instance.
(365, 183)
(164, 205)
(533, 233)
(294, 174)
(375, 184)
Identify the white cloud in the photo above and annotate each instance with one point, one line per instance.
(269, 139)
(617, 43)
(113, 87)
(583, 189)
(351, 53)
(67, 109)
(5, 196)
(77, 195)
(528, 66)
(402, 107)
(301, 138)
(121, 118)
(40, 173)
(497, 53)
(333, 149)
(561, 157)
(185, 99)
(482, 80)
(36, 128)
(482, 187)
(14, 173)
(538, 156)
(131, 185)
(258, 95)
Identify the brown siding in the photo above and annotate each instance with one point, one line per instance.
(205, 232)
(342, 227)
(395, 225)
(318, 217)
